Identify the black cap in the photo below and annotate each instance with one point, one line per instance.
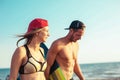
(76, 24)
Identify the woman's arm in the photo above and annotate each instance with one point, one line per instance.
(15, 63)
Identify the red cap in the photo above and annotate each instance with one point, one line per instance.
(36, 24)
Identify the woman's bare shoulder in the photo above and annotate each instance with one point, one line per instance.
(20, 51)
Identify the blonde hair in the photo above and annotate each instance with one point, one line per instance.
(27, 36)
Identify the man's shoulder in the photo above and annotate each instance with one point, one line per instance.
(58, 42)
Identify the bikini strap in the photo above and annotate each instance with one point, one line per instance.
(42, 53)
(27, 51)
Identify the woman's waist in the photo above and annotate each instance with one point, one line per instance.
(33, 76)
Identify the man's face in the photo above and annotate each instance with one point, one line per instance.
(77, 35)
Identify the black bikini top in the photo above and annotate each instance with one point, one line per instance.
(32, 65)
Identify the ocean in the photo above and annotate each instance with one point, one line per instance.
(96, 71)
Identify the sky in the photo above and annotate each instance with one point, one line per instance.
(100, 42)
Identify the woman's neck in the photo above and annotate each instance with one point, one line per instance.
(34, 45)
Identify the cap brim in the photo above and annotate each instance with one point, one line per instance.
(66, 28)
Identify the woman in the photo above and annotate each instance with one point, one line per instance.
(28, 60)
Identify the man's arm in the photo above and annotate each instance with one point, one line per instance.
(51, 55)
(78, 71)
(77, 68)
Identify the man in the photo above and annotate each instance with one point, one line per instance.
(65, 52)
